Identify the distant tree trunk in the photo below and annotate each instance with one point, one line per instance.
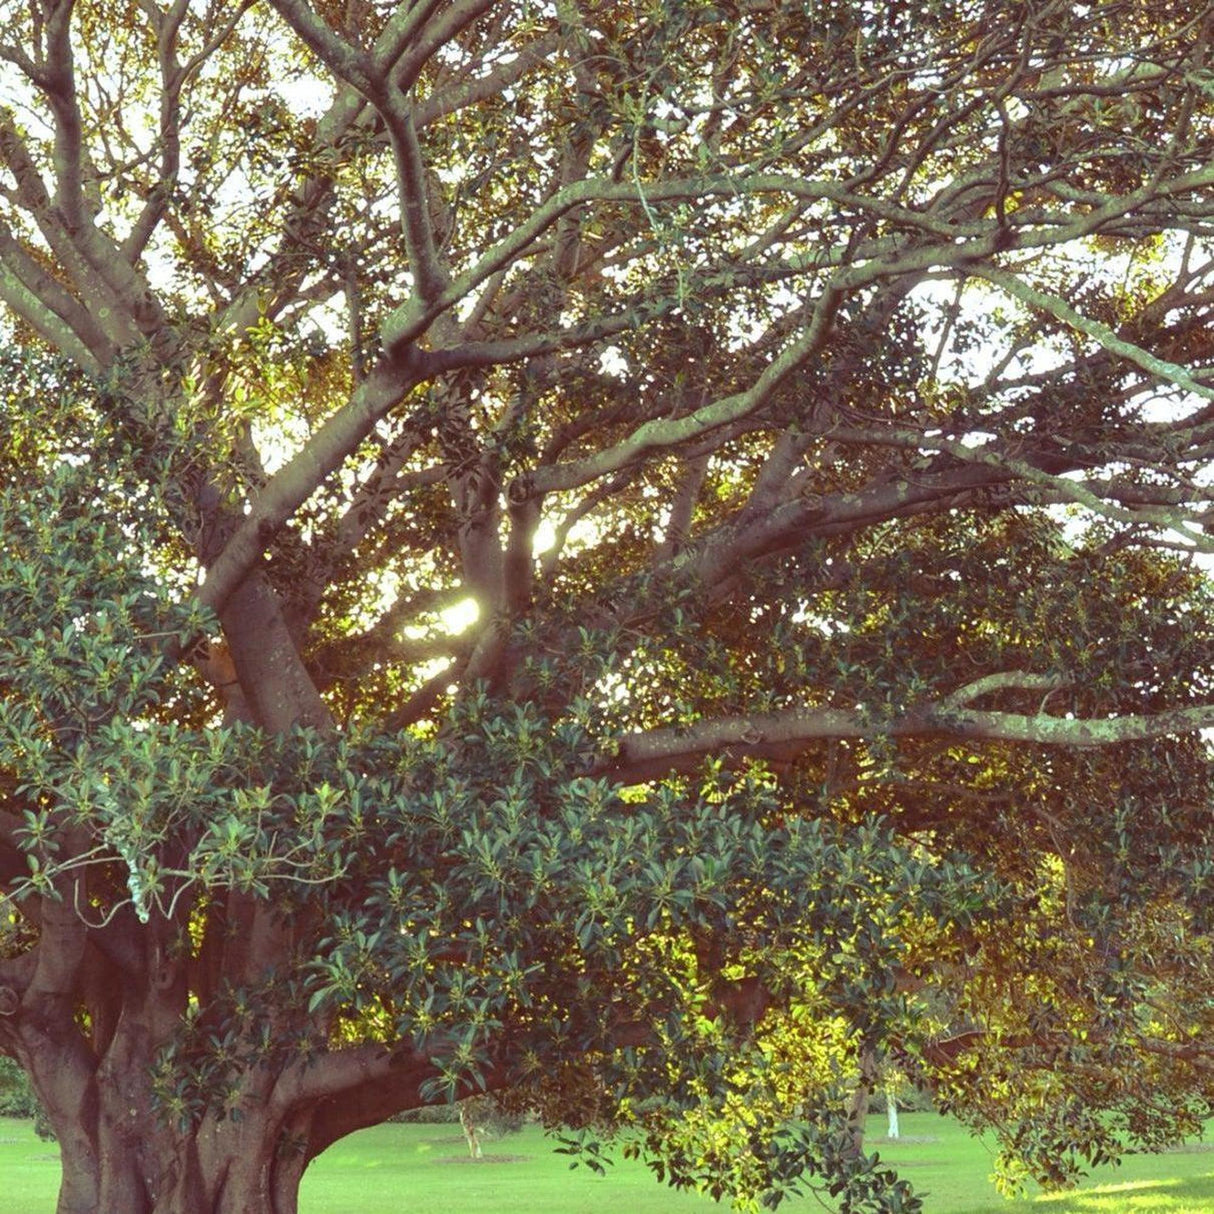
(468, 1115)
(891, 1107)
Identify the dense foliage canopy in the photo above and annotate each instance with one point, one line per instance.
(639, 555)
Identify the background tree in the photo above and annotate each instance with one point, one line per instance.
(805, 407)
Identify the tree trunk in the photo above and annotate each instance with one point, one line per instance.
(891, 1108)
(123, 1152)
(857, 1105)
(94, 1013)
(126, 1152)
(857, 1110)
(119, 1157)
(467, 1121)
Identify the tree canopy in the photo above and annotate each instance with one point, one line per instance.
(626, 554)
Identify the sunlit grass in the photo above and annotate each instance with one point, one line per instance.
(1153, 1196)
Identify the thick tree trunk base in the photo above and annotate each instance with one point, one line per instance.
(217, 1170)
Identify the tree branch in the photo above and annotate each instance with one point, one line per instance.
(723, 555)
(651, 754)
(384, 388)
(1018, 680)
(26, 289)
(1063, 487)
(371, 76)
(71, 162)
(669, 432)
(32, 196)
(1056, 306)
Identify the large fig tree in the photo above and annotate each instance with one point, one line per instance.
(634, 555)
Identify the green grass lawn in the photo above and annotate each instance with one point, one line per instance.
(424, 1169)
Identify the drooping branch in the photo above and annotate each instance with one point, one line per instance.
(1161, 368)
(782, 735)
(351, 1089)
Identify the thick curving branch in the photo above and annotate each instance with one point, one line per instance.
(388, 384)
(657, 434)
(782, 735)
